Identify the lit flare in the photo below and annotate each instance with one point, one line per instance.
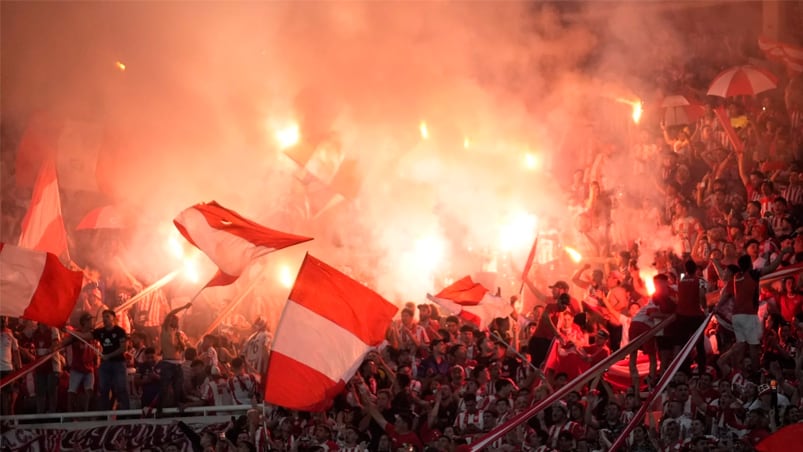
(285, 277)
(424, 130)
(574, 255)
(518, 231)
(638, 109)
(288, 136)
(649, 284)
(120, 66)
(531, 161)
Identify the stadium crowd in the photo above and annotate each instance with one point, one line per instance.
(442, 382)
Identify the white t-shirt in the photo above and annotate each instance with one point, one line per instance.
(8, 346)
(254, 352)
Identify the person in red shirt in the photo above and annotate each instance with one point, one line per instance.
(400, 432)
(791, 301)
(689, 314)
(83, 361)
(547, 329)
(746, 325)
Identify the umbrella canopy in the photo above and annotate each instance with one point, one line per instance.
(745, 80)
(679, 110)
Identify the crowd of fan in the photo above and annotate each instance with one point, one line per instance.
(441, 382)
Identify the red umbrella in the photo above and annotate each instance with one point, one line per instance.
(742, 81)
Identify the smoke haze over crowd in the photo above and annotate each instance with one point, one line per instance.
(501, 88)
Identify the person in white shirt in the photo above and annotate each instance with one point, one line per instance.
(257, 349)
(9, 361)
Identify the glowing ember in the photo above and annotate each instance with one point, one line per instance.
(574, 255)
(424, 130)
(637, 111)
(120, 66)
(466, 143)
(285, 277)
(518, 232)
(289, 136)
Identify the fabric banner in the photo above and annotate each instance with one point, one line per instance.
(107, 437)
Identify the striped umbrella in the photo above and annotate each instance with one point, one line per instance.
(744, 80)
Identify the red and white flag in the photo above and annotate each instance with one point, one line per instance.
(36, 286)
(231, 241)
(329, 324)
(791, 271)
(786, 53)
(43, 225)
(108, 217)
(472, 302)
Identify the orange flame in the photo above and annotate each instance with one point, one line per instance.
(574, 255)
(646, 276)
(424, 130)
(638, 109)
(288, 136)
(120, 66)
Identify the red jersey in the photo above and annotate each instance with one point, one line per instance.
(400, 439)
(543, 330)
(689, 292)
(81, 358)
(745, 293)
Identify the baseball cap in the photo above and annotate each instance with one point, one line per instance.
(560, 285)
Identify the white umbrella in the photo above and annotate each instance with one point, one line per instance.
(679, 109)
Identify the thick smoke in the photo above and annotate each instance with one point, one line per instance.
(207, 85)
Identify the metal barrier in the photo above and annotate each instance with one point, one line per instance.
(74, 419)
(580, 380)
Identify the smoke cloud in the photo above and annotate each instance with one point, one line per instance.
(503, 89)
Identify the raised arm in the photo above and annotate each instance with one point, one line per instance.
(580, 282)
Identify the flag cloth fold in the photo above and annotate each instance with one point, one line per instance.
(231, 241)
(107, 217)
(329, 324)
(782, 439)
(43, 224)
(471, 301)
(36, 286)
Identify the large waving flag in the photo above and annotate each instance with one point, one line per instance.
(107, 217)
(789, 54)
(472, 302)
(328, 325)
(231, 241)
(43, 225)
(36, 286)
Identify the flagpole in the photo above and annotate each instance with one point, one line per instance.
(228, 309)
(528, 264)
(148, 290)
(71, 333)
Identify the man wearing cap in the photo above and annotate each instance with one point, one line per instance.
(547, 330)
(558, 289)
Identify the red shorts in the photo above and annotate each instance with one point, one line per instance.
(638, 328)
